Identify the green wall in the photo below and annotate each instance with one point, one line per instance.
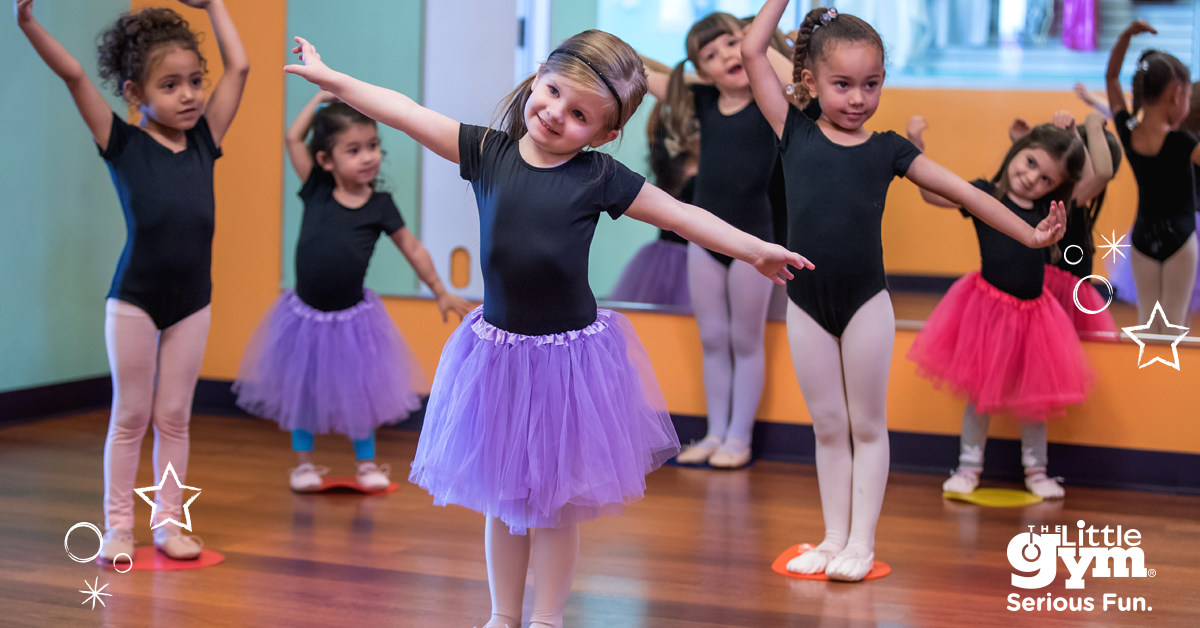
(61, 229)
(616, 241)
(385, 50)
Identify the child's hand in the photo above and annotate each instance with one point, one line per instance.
(23, 10)
(314, 70)
(1137, 27)
(774, 260)
(1063, 119)
(1018, 129)
(197, 4)
(447, 303)
(1086, 96)
(1051, 228)
(916, 126)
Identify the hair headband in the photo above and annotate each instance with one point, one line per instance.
(568, 51)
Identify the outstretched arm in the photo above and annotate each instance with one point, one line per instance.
(302, 161)
(1112, 78)
(658, 208)
(765, 83)
(418, 256)
(429, 128)
(928, 174)
(97, 114)
(227, 96)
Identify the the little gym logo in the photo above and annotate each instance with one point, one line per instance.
(1108, 552)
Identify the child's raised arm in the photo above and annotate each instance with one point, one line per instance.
(302, 161)
(429, 128)
(418, 256)
(227, 96)
(1112, 78)
(658, 208)
(1099, 161)
(764, 82)
(91, 104)
(929, 175)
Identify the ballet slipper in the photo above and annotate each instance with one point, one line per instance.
(851, 564)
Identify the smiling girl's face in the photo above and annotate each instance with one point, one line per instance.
(1033, 173)
(563, 117)
(720, 61)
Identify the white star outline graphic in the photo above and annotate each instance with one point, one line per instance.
(94, 593)
(1113, 245)
(1142, 346)
(187, 515)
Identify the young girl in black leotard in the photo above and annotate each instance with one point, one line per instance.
(1165, 250)
(840, 321)
(326, 357)
(157, 314)
(543, 412)
(737, 161)
(999, 336)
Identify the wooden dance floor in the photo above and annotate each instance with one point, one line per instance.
(696, 553)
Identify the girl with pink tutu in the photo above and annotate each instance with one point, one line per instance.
(1070, 260)
(326, 357)
(998, 336)
(545, 411)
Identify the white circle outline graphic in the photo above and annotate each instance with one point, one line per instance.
(1068, 249)
(118, 557)
(1084, 309)
(67, 542)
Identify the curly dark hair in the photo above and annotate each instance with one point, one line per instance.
(128, 46)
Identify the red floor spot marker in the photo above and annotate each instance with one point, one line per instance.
(879, 570)
(342, 484)
(150, 559)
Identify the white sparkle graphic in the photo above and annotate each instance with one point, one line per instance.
(94, 593)
(1113, 246)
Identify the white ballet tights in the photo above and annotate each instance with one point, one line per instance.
(552, 552)
(730, 305)
(1169, 282)
(845, 388)
(154, 379)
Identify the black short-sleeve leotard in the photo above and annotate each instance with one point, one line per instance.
(1166, 191)
(336, 243)
(835, 199)
(167, 197)
(536, 227)
(738, 154)
(1005, 263)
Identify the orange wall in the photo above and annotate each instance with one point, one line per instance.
(1130, 407)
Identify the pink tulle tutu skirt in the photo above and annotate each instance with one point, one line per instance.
(1007, 355)
(1061, 285)
(543, 431)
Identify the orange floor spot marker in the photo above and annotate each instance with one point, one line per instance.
(342, 484)
(879, 570)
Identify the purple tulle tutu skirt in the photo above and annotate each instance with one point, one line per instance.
(346, 372)
(1120, 275)
(657, 274)
(543, 431)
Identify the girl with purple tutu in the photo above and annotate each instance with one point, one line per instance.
(545, 411)
(326, 357)
(658, 272)
(999, 336)
(159, 307)
(1165, 251)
